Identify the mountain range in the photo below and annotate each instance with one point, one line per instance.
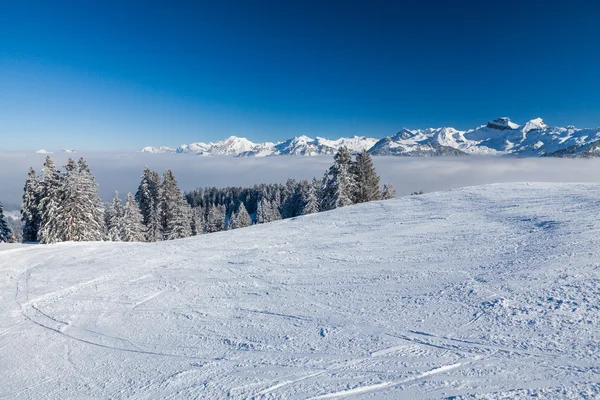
(498, 137)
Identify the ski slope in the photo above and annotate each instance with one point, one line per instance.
(481, 292)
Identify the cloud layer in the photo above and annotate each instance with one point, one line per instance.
(121, 171)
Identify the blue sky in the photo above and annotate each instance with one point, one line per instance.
(120, 75)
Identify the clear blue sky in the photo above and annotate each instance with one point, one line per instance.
(116, 75)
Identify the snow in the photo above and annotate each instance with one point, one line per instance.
(536, 123)
(42, 151)
(481, 292)
(161, 149)
(242, 147)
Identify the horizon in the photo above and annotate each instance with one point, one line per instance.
(166, 74)
(172, 146)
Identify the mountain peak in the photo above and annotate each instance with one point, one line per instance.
(536, 123)
(502, 123)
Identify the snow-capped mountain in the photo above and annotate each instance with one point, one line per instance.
(242, 147)
(498, 137)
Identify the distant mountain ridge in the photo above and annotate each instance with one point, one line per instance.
(498, 137)
(242, 147)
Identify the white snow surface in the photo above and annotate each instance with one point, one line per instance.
(480, 292)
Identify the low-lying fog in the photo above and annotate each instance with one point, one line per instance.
(121, 171)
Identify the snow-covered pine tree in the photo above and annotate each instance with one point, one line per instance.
(81, 210)
(215, 219)
(174, 210)
(339, 186)
(5, 232)
(289, 199)
(132, 227)
(366, 179)
(260, 212)
(148, 197)
(388, 192)
(242, 218)
(51, 194)
(229, 215)
(311, 200)
(276, 207)
(114, 219)
(232, 223)
(197, 221)
(30, 209)
(264, 209)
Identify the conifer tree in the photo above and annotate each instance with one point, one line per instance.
(114, 219)
(175, 212)
(197, 221)
(242, 218)
(5, 232)
(366, 179)
(80, 208)
(215, 219)
(30, 209)
(232, 224)
(132, 227)
(388, 192)
(264, 209)
(51, 194)
(311, 201)
(276, 207)
(90, 225)
(339, 185)
(148, 197)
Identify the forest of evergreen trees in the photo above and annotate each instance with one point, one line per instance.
(65, 205)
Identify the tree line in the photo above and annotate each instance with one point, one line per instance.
(61, 206)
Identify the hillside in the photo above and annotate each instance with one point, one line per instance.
(482, 292)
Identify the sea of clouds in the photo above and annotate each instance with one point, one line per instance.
(121, 171)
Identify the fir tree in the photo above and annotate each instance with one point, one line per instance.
(388, 192)
(311, 200)
(81, 210)
(366, 179)
(242, 218)
(197, 221)
(114, 219)
(215, 219)
(339, 184)
(276, 207)
(232, 224)
(5, 232)
(50, 198)
(148, 198)
(30, 209)
(92, 218)
(175, 212)
(264, 209)
(132, 227)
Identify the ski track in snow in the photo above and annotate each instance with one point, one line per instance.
(482, 292)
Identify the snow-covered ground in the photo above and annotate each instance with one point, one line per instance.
(482, 292)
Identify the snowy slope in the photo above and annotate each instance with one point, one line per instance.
(482, 292)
